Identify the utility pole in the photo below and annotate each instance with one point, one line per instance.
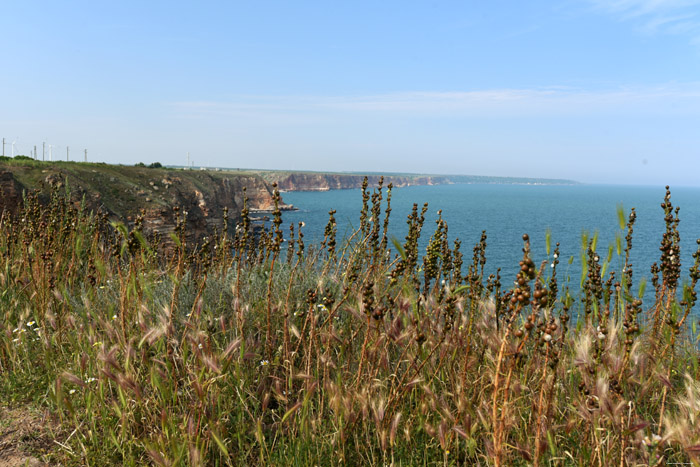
(67, 153)
(43, 151)
(35, 152)
(86, 155)
(3, 147)
(188, 160)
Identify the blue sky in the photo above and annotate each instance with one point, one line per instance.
(591, 90)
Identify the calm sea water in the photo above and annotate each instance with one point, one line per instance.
(506, 212)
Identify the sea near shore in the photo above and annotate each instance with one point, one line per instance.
(506, 212)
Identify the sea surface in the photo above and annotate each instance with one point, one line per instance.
(506, 212)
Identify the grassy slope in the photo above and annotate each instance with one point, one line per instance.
(124, 190)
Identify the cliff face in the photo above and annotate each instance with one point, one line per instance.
(127, 192)
(314, 181)
(302, 181)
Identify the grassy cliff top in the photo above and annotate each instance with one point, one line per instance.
(121, 189)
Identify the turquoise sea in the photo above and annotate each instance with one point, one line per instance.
(506, 212)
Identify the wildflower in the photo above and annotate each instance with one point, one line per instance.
(298, 313)
(114, 317)
(71, 392)
(547, 337)
(90, 380)
(31, 323)
(601, 336)
(264, 363)
(199, 346)
(97, 344)
(15, 340)
(16, 329)
(651, 442)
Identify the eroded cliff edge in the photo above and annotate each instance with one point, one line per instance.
(309, 181)
(124, 192)
(317, 181)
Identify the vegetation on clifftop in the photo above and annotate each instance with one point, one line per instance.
(251, 350)
(126, 193)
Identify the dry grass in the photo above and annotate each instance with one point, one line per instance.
(242, 352)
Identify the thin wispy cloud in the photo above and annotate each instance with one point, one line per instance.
(677, 17)
(672, 99)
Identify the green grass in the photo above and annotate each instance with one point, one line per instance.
(249, 351)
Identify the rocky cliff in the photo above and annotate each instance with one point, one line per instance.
(309, 181)
(127, 192)
(315, 181)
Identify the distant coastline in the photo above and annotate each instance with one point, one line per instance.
(326, 181)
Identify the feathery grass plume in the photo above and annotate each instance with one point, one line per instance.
(203, 358)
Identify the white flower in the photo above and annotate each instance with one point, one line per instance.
(72, 391)
(264, 362)
(31, 323)
(90, 380)
(651, 442)
(199, 346)
(547, 337)
(114, 317)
